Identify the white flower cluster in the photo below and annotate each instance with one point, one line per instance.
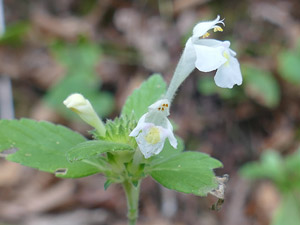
(204, 54)
(154, 128)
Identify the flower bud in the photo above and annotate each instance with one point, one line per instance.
(80, 105)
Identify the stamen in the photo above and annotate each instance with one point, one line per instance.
(218, 28)
(167, 105)
(163, 109)
(159, 108)
(206, 35)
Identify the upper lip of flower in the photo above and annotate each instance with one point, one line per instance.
(202, 28)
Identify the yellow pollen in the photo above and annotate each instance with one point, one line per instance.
(158, 108)
(167, 105)
(153, 136)
(218, 28)
(206, 35)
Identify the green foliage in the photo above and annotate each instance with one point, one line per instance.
(88, 149)
(289, 65)
(14, 34)
(269, 167)
(285, 173)
(261, 86)
(289, 211)
(207, 86)
(149, 92)
(258, 84)
(79, 61)
(188, 172)
(43, 145)
(169, 151)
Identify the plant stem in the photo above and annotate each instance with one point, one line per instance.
(132, 195)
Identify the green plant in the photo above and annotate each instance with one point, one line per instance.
(79, 60)
(133, 145)
(284, 172)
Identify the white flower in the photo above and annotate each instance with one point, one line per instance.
(216, 55)
(80, 105)
(153, 128)
(207, 55)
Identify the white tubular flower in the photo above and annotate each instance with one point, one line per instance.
(153, 128)
(207, 55)
(80, 105)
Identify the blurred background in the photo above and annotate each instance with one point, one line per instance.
(104, 50)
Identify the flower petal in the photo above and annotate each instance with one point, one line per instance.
(229, 74)
(141, 124)
(201, 28)
(209, 58)
(149, 149)
(171, 137)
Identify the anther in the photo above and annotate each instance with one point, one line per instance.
(218, 28)
(206, 35)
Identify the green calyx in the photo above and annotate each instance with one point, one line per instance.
(118, 130)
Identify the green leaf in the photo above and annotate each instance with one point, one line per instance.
(88, 149)
(168, 151)
(43, 145)
(207, 87)
(150, 91)
(188, 172)
(289, 66)
(80, 61)
(288, 212)
(14, 34)
(261, 86)
(107, 184)
(270, 166)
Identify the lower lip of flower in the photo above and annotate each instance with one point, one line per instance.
(153, 136)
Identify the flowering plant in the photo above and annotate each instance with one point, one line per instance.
(132, 146)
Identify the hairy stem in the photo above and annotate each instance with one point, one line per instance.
(132, 194)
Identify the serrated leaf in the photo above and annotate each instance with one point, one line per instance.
(188, 172)
(43, 145)
(88, 149)
(149, 92)
(261, 86)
